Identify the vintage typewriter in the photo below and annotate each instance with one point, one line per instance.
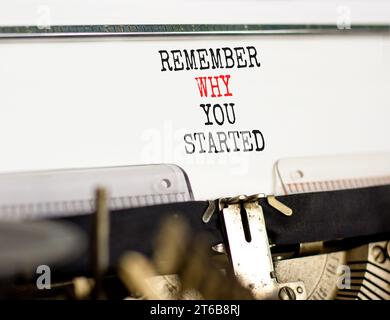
(244, 156)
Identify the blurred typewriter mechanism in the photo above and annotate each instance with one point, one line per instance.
(244, 156)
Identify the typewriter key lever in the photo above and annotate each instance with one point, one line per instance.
(249, 251)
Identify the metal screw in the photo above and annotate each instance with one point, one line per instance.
(298, 174)
(299, 290)
(286, 293)
(378, 253)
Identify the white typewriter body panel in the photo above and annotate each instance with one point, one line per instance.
(105, 101)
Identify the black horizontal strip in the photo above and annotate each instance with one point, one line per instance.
(319, 216)
(331, 215)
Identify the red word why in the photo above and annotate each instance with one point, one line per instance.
(214, 87)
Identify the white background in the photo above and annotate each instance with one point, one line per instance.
(102, 102)
(80, 103)
(21, 12)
